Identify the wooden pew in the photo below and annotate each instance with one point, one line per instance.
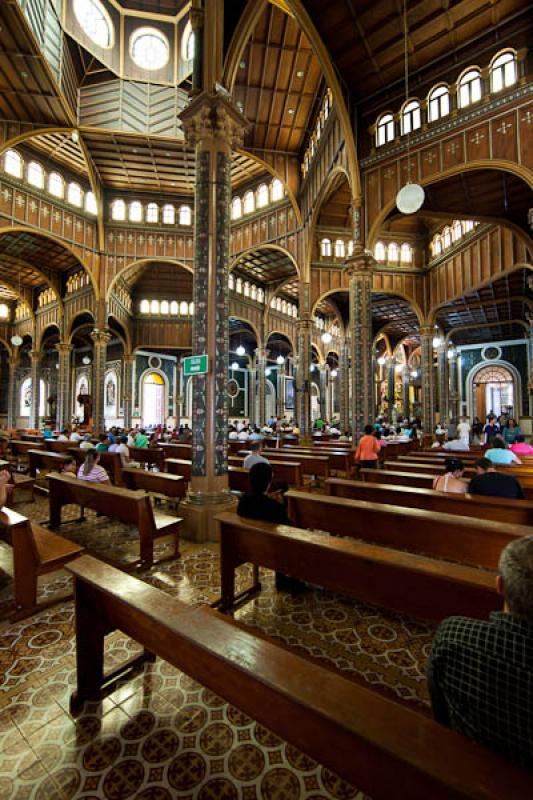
(19, 451)
(130, 507)
(340, 460)
(42, 459)
(239, 480)
(111, 462)
(288, 472)
(310, 464)
(373, 742)
(477, 542)
(175, 450)
(423, 468)
(179, 466)
(151, 456)
(518, 512)
(173, 487)
(410, 584)
(55, 446)
(36, 551)
(425, 481)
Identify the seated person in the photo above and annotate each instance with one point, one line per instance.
(498, 453)
(103, 444)
(91, 470)
(256, 504)
(6, 487)
(243, 435)
(255, 435)
(520, 446)
(457, 444)
(451, 482)
(490, 483)
(69, 466)
(63, 436)
(123, 450)
(86, 444)
(75, 436)
(255, 457)
(480, 672)
(141, 439)
(186, 436)
(345, 437)
(47, 432)
(233, 435)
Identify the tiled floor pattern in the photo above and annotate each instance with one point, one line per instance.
(161, 735)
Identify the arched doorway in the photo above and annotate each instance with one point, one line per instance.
(494, 390)
(153, 399)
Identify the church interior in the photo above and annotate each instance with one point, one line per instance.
(289, 215)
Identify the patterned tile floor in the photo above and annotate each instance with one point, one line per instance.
(161, 735)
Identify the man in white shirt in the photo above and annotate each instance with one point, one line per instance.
(122, 449)
(75, 436)
(255, 436)
(243, 436)
(456, 444)
(233, 435)
(463, 430)
(62, 436)
(255, 456)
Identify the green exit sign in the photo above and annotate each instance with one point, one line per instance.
(196, 365)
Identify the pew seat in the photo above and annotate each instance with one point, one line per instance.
(36, 551)
(127, 506)
(173, 487)
(373, 742)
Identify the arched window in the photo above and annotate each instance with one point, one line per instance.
(438, 103)
(191, 308)
(231, 281)
(90, 203)
(56, 184)
(13, 163)
(25, 398)
(260, 295)
(468, 225)
(325, 247)
(469, 88)
(154, 307)
(406, 253)
(339, 249)
(278, 304)
(35, 174)
(446, 238)
(154, 408)
(379, 252)
(393, 252)
(187, 43)
(152, 212)
(135, 211)
(164, 307)
(149, 48)
(145, 307)
(95, 22)
(273, 303)
(169, 214)
(246, 289)
(262, 196)
(174, 308)
(384, 130)
(253, 293)
(184, 215)
(436, 245)
(184, 308)
(277, 190)
(249, 202)
(4, 311)
(118, 210)
(75, 194)
(457, 230)
(238, 285)
(411, 118)
(236, 208)
(350, 247)
(503, 71)
(283, 306)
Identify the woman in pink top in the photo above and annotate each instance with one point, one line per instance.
(520, 447)
(451, 482)
(91, 471)
(368, 449)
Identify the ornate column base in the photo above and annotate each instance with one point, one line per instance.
(198, 512)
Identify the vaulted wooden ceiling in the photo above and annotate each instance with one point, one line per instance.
(29, 260)
(160, 280)
(265, 267)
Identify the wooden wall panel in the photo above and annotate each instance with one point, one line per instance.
(273, 226)
(331, 153)
(162, 333)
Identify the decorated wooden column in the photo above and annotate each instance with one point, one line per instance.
(442, 372)
(427, 379)
(127, 388)
(406, 411)
(100, 340)
(323, 389)
(261, 356)
(391, 367)
(359, 269)
(303, 376)
(343, 381)
(252, 383)
(35, 359)
(454, 389)
(12, 396)
(215, 127)
(63, 411)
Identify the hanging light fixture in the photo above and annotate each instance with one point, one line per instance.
(382, 361)
(414, 374)
(410, 198)
(234, 366)
(333, 373)
(16, 340)
(280, 360)
(437, 341)
(326, 337)
(86, 360)
(240, 350)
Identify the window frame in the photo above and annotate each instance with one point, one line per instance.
(136, 216)
(51, 180)
(495, 67)
(122, 203)
(149, 213)
(37, 167)
(411, 112)
(386, 123)
(434, 98)
(14, 155)
(74, 187)
(464, 84)
(154, 33)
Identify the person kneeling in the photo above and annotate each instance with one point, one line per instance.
(480, 673)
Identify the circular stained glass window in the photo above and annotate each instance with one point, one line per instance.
(95, 22)
(149, 48)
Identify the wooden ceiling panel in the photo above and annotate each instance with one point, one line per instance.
(6, 294)
(335, 212)
(61, 148)
(266, 267)
(161, 280)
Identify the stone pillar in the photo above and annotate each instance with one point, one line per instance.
(323, 390)
(100, 339)
(343, 383)
(12, 394)
(35, 358)
(63, 408)
(442, 373)
(427, 379)
(252, 380)
(303, 376)
(261, 364)
(127, 388)
(360, 274)
(214, 127)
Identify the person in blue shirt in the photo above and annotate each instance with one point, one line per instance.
(491, 430)
(498, 453)
(511, 431)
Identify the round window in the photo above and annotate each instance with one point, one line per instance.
(154, 362)
(95, 22)
(149, 48)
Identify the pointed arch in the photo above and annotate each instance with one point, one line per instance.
(139, 262)
(275, 174)
(253, 249)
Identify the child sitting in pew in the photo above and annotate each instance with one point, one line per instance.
(69, 466)
(451, 482)
(91, 470)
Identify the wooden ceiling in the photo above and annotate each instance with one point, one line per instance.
(392, 315)
(273, 96)
(366, 40)
(62, 149)
(24, 255)
(490, 311)
(161, 280)
(7, 294)
(265, 267)
(335, 212)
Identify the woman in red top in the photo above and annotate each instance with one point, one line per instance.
(368, 449)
